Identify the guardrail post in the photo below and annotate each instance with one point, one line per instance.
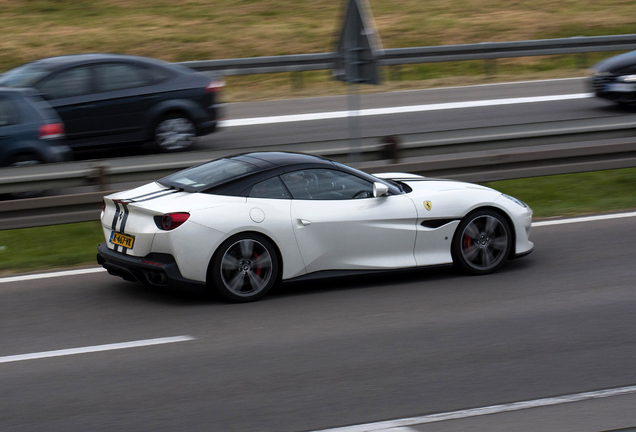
(100, 177)
(391, 148)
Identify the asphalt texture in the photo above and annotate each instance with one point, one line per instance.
(335, 352)
(382, 125)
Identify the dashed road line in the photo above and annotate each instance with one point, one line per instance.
(398, 110)
(95, 348)
(100, 269)
(51, 275)
(583, 219)
(392, 425)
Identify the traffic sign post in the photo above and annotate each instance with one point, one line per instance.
(357, 60)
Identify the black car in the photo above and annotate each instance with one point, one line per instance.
(615, 78)
(106, 99)
(30, 130)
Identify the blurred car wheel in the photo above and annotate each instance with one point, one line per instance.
(174, 132)
(245, 268)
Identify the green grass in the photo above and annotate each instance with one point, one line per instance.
(49, 247)
(563, 195)
(572, 194)
(180, 30)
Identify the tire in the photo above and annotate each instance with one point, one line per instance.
(174, 132)
(245, 268)
(25, 160)
(482, 242)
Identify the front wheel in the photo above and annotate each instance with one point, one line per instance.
(175, 132)
(245, 268)
(482, 242)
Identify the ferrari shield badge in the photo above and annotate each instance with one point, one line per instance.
(428, 205)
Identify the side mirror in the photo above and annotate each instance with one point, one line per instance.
(379, 189)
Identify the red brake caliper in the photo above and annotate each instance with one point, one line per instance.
(258, 269)
(467, 241)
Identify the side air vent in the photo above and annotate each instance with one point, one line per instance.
(436, 223)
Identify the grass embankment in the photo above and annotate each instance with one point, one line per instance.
(181, 30)
(563, 195)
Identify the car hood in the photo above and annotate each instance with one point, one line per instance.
(417, 182)
(620, 64)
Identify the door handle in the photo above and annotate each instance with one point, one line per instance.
(305, 222)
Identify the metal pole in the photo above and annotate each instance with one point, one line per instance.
(354, 105)
(354, 121)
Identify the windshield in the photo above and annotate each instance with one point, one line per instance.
(208, 175)
(22, 76)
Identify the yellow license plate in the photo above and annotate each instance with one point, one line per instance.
(122, 239)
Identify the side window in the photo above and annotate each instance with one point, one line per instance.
(7, 112)
(270, 188)
(326, 184)
(68, 83)
(119, 76)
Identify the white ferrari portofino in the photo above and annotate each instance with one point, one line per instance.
(243, 223)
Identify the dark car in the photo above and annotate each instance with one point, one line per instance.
(107, 99)
(30, 130)
(615, 78)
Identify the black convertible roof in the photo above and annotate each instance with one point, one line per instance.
(281, 159)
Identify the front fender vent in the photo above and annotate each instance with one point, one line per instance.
(436, 223)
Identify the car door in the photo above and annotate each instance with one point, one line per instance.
(124, 94)
(340, 225)
(9, 130)
(69, 92)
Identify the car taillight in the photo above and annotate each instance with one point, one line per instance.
(103, 205)
(51, 131)
(172, 220)
(214, 86)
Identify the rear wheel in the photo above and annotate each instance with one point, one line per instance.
(245, 268)
(482, 242)
(174, 132)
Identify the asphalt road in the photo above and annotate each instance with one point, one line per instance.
(428, 121)
(382, 125)
(335, 352)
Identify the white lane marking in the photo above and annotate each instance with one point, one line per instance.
(399, 429)
(51, 275)
(95, 348)
(100, 269)
(583, 219)
(399, 110)
(493, 409)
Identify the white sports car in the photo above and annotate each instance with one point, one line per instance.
(241, 224)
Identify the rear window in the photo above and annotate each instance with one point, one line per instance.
(23, 76)
(208, 175)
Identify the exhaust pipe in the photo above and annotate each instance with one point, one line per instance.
(157, 278)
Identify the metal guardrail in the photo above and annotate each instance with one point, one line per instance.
(398, 56)
(501, 153)
(470, 155)
(371, 149)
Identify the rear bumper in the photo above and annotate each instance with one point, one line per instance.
(157, 270)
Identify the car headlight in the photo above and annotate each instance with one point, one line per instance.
(521, 203)
(627, 78)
